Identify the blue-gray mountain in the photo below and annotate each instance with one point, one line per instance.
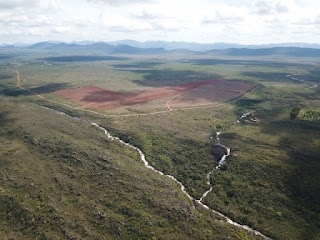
(159, 47)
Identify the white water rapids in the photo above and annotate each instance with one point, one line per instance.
(221, 162)
(183, 189)
(313, 85)
(243, 116)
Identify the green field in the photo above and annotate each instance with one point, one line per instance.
(62, 179)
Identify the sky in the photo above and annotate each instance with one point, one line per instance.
(204, 21)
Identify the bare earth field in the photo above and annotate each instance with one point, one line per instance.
(184, 95)
(212, 92)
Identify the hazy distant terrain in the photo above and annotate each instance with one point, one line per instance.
(161, 47)
(201, 47)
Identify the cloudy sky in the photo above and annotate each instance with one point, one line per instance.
(209, 21)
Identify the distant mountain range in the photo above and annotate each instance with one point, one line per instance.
(280, 51)
(99, 46)
(201, 47)
(161, 47)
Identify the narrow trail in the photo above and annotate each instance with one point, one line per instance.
(22, 88)
(98, 113)
(147, 165)
(237, 99)
(169, 109)
(167, 103)
(51, 101)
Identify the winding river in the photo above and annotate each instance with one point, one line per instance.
(182, 187)
(313, 85)
(221, 163)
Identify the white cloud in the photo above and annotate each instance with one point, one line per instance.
(144, 15)
(243, 21)
(129, 28)
(4, 4)
(268, 7)
(305, 21)
(225, 16)
(27, 4)
(119, 2)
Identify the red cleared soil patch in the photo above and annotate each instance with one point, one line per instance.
(219, 91)
(100, 98)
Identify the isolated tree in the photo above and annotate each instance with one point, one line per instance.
(295, 112)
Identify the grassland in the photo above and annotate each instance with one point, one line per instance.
(270, 181)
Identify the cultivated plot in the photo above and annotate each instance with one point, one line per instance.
(184, 95)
